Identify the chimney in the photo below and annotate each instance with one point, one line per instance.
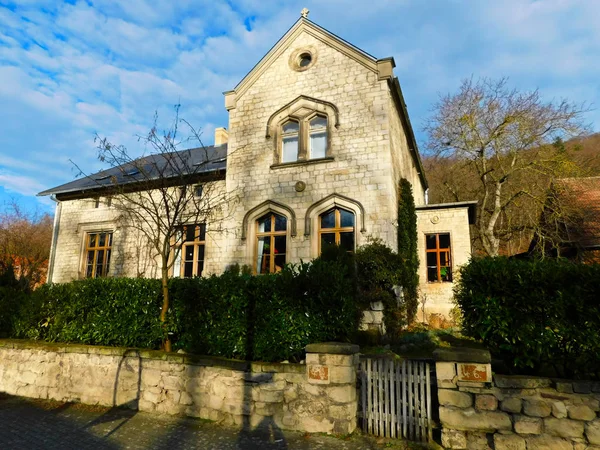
(221, 136)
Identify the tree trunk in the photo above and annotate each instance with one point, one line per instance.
(490, 242)
(165, 307)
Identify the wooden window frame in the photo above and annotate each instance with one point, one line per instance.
(337, 229)
(196, 243)
(271, 234)
(438, 250)
(106, 248)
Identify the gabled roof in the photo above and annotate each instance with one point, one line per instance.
(384, 68)
(190, 162)
(303, 25)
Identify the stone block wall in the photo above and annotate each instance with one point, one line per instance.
(431, 220)
(513, 412)
(362, 161)
(319, 396)
(372, 318)
(132, 255)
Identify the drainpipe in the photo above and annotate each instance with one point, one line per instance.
(427, 196)
(55, 230)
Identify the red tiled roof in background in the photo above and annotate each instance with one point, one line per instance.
(584, 194)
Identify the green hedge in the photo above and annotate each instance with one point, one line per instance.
(535, 315)
(102, 311)
(267, 317)
(12, 295)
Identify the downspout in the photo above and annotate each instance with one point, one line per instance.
(54, 238)
(427, 196)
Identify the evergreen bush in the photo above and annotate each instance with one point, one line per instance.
(407, 248)
(379, 269)
(12, 295)
(535, 315)
(235, 315)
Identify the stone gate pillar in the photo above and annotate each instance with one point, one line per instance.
(331, 370)
(468, 407)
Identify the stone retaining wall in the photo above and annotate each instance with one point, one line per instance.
(513, 412)
(319, 396)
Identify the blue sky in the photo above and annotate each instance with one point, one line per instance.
(71, 69)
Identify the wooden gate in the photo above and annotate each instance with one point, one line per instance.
(395, 398)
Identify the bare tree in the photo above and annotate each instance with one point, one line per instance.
(166, 191)
(25, 240)
(496, 144)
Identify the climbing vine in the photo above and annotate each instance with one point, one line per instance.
(407, 247)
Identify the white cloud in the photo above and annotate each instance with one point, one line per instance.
(68, 71)
(20, 184)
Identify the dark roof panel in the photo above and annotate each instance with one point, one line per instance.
(192, 161)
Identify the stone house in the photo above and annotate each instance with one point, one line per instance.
(317, 142)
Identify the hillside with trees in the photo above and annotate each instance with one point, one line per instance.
(504, 147)
(25, 239)
(450, 180)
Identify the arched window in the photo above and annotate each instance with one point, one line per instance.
(318, 137)
(271, 243)
(304, 138)
(289, 141)
(304, 130)
(336, 226)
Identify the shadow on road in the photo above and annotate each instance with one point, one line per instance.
(35, 424)
(122, 412)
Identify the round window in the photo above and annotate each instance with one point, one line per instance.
(304, 60)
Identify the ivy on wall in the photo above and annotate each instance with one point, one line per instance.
(407, 248)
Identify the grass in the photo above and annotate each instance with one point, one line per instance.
(419, 342)
(375, 442)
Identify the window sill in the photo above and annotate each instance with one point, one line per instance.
(303, 162)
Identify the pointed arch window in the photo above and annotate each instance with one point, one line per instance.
(304, 138)
(336, 227)
(271, 243)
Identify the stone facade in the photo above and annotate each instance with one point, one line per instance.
(370, 147)
(513, 412)
(454, 220)
(319, 396)
(131, 253)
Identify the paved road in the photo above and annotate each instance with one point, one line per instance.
(41, 424)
